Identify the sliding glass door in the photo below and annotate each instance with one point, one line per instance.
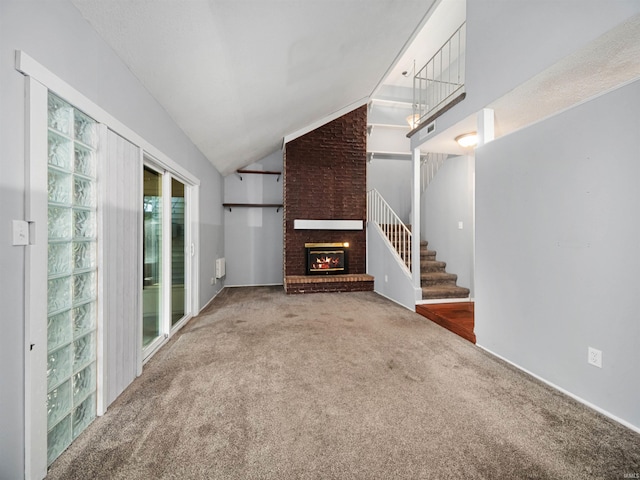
(178, 252)
(152, 257)
(166, 255)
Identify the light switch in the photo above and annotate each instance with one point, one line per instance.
(20, 232)
(459, 225)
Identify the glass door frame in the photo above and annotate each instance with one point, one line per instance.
(190, 299)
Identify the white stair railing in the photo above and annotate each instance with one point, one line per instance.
(429, 166)
(397, 233)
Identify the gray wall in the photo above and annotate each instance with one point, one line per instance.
(510, 42)
(392, 178)
(390, 277)
(448, 200)
(253, 236)
(54, 34)
(557, 255)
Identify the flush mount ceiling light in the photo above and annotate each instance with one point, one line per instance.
(467, 140)
(413, 120)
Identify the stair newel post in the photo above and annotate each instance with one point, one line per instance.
(415, 223)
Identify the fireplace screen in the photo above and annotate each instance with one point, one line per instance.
(326, 258)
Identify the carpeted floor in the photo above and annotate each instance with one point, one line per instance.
(264, 385)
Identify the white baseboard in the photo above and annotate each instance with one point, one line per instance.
(209, 301)
(619, 420)
(394, 301)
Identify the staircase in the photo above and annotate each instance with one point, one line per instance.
(436, 282)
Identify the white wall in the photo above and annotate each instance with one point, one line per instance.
(392, 178)
(390, 277)
(54, 34)
(510, 42)
(254, 236)
(557, 255)
(447, 201)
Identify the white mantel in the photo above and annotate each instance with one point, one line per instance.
(300, 224)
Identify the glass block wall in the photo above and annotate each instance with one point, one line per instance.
(72, 283)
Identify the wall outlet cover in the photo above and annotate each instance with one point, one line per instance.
(594, 357)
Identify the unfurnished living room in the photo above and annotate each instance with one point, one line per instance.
(300, 239)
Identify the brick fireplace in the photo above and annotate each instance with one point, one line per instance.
(325, 178)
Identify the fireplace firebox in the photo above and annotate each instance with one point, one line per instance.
(327, 258)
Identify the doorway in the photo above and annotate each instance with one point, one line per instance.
(166, 255)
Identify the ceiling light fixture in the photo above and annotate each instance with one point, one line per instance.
(413, 120)
(467, 140)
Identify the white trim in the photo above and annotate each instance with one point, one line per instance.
(415, 224)
(28, 66)
(566, 392)
(153, 347)
(165, 293)
(183, 321)
(323, 121)
(167, 267)
(256, 285)
(209, 301)
(394, 301)
(299, 224)
(35, 329)
(140, 358)
(194, 219)
(101, 364)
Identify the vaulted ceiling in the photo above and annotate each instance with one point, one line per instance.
(239, 75)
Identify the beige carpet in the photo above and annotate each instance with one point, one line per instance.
(265, 385)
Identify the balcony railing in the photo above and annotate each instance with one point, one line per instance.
(441, 79)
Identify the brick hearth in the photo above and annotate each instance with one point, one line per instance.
(355, 282)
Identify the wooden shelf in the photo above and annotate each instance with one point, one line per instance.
(277, 206)
(258, 172)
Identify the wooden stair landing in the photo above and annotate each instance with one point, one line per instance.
(457, 317)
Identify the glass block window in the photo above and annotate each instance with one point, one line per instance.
(72, 284)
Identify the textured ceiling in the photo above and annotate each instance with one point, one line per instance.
(239, 75)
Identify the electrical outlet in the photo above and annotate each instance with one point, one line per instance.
(213, 280)
(594, 357)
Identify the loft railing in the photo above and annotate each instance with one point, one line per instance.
(441, 79)
(398, 234)
(429, 166)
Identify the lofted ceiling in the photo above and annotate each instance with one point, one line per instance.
(239, 75)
